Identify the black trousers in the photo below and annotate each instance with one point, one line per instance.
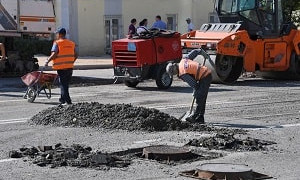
(201, 94)
(65, 76)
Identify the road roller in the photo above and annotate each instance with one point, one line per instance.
(251, 37)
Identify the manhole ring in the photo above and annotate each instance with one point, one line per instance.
(224, 171)
(165, 152)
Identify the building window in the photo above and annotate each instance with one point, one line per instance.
(172, 22)
(113, 30)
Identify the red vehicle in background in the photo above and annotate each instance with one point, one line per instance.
(146, 56)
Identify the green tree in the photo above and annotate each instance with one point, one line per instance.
(288, 7)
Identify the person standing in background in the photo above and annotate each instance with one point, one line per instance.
(159, 23)
(131, 28)
(191, 26)
(142, 27)
(63, 55)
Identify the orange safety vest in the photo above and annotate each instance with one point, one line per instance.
(187, 66)
(66, 55)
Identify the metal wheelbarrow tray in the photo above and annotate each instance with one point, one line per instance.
(38, 81)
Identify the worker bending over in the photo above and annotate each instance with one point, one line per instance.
(198, 77)
(63, 55)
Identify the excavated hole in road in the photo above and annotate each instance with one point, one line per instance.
(228, 141)
(83, 157)
(118, 116)
(165, 154)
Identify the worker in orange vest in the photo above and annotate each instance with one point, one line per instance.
(63, 55)
(198, 77)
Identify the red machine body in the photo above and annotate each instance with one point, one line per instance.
(135, 60)
(144, 52)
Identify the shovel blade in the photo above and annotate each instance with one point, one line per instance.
(186, 115)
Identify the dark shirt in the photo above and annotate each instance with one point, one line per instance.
(131, 29)
(190, 80)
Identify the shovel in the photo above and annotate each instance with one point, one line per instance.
(188, 113)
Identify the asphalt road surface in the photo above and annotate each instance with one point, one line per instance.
(268, 109)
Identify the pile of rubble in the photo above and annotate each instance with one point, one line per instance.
(115, 116)
(227, 141)
(75, 156)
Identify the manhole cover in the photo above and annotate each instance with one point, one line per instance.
(164, 152)
(223, 171)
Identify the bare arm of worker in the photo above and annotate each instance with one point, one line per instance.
(52, 56)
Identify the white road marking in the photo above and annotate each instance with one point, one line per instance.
(13, 121)
(20, 119)
(147, 141)
(290, 125)
(7, 160)
(44, 98)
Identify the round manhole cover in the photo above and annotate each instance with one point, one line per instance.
(225, 171)
(225, 167)
(164, 152)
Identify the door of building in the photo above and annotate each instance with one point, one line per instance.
(172, 22)
(112, 31)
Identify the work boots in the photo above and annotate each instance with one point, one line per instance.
(196, 118)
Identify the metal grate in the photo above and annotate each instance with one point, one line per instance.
(126, 58)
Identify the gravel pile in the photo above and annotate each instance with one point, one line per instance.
(75, 156)
(115, 116)
(227, 141)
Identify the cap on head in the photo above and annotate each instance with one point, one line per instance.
(61, 31)
(172, 69)
(188, 19)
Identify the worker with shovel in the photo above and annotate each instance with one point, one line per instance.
(198, 77)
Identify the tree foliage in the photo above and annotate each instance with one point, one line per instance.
(289, 6)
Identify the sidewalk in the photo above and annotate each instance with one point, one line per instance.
(83, 63)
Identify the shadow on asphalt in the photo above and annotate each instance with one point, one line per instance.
(47, 103)
(242, 126)
(267, 83)
(11, 95)
(180, 89)
(88, 81)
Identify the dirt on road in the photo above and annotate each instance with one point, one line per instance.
(117, 116)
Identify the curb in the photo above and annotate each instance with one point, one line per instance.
(82, 67)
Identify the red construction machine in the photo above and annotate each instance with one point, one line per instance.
(252, 37)
(145, 57)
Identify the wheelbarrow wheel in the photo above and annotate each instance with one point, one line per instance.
(31, 95)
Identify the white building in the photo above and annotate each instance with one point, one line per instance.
(93, 24)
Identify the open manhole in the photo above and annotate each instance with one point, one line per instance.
(224, 171)
(169, 153)
(166, 154)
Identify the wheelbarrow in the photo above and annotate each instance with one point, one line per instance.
(37, 82)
